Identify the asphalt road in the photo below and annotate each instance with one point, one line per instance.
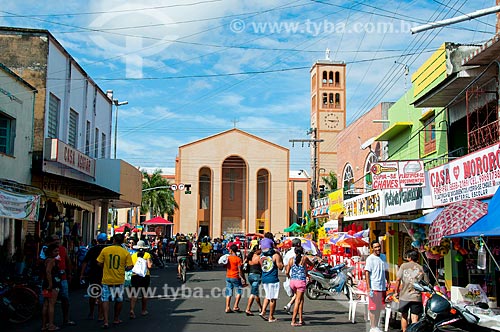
(199, 306)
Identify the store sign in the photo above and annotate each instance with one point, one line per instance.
(336, 203)
(18, 206)
(398, 174)
(69, 156)
(476, 175)
(365, 206)
(403, 200)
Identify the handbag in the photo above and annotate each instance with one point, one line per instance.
(286, 286)
(140, 267)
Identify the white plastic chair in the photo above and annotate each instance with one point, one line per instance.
(357, 297)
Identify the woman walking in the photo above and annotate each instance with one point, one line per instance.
(254, 278)
(234, 278)
(296, 271)
(50, 287)
(140, 283)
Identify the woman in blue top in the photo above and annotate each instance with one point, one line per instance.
(297, 272)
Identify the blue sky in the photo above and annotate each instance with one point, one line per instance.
(193, 68)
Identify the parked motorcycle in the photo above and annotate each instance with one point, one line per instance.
(327, 280)
(442, 315)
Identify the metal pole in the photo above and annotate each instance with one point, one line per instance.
(466, 17)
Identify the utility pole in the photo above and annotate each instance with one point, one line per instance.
(314, 162)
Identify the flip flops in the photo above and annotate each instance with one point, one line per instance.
(263, 317)
(249, 313)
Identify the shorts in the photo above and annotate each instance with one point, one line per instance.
(415, 307)
(179, 258)
(297, 285)
(112, 293)
(64, 291)
(140, 282)
(254, 279)
(272, 290)
(232, 283)
(377, 302)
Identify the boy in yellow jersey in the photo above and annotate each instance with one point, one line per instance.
(115, 260)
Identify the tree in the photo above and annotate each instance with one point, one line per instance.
(330, 181)
(159, 200)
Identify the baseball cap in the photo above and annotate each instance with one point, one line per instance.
(266, 243)
(102, 237)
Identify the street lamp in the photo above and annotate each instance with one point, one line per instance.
(117, 104)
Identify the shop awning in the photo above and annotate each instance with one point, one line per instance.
(428, 218)
(75, 202)
(393, 130)
(158, 221)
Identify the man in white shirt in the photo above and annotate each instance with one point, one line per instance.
(377, 274)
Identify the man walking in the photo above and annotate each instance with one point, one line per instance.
(115, 260)
(377, 274)
(410, 300)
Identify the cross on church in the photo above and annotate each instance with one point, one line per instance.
(235, 122)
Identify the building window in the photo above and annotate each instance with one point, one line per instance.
(7, 130)
(330, 100)
(262, 189)
(204, 190)
(348, 179)
(325, 99)
(96, 143)
(87, 139)
(73, 129)
(325, 77)
(370, 160)
(103, 145)
(299, 205)
(53, 117)
(429, 135)
(330, 78)
(337, 78)
(337, 100)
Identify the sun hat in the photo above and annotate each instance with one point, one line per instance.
(140, 245)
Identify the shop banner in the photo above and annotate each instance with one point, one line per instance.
(336, 203)
(476, 175)
(398, 174)
(19, 206)
(407, 199)
(365, 206)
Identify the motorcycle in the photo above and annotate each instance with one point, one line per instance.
(205, 261)
(327, 280)
(440, 314)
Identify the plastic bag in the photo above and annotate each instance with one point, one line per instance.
(141, 267)
(286, 287)
(223, 259)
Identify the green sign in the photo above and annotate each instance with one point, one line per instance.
(188, 192)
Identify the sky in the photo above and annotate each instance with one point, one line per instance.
(190, 69)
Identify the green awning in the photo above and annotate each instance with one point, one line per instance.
(393, 130)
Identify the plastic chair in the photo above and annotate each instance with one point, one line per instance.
(357, 297)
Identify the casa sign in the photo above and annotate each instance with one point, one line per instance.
(71, 157)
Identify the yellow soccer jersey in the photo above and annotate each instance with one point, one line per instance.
(114, 258)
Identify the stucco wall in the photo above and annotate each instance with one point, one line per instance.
(211, 152)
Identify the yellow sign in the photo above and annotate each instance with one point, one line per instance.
(336, 203)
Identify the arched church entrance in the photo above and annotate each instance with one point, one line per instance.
(234, 196)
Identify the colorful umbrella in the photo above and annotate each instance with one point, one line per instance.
(339, 237)
(456, 218)
(309, 246)
(352, 242)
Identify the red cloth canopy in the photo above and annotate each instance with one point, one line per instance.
(121, 229)
(158, 221)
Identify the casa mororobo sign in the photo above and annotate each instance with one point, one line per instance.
(71, 157)
(476, 175)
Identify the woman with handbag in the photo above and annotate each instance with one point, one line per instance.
(254, 278)
(140, 278)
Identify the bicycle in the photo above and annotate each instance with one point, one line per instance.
(17, 303)
(183, 264)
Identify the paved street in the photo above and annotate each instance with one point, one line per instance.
(204, 310)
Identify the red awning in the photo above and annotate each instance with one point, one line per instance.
(158, 221)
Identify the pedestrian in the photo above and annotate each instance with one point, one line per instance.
(290, 255)
(51, 285)
(376, 274)
(140, 284)
(235, 279)
(296, 271)
(115, 260)
(92, 272)
(410, 300)
(271, 262)
(65, 272)
(254, 278)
